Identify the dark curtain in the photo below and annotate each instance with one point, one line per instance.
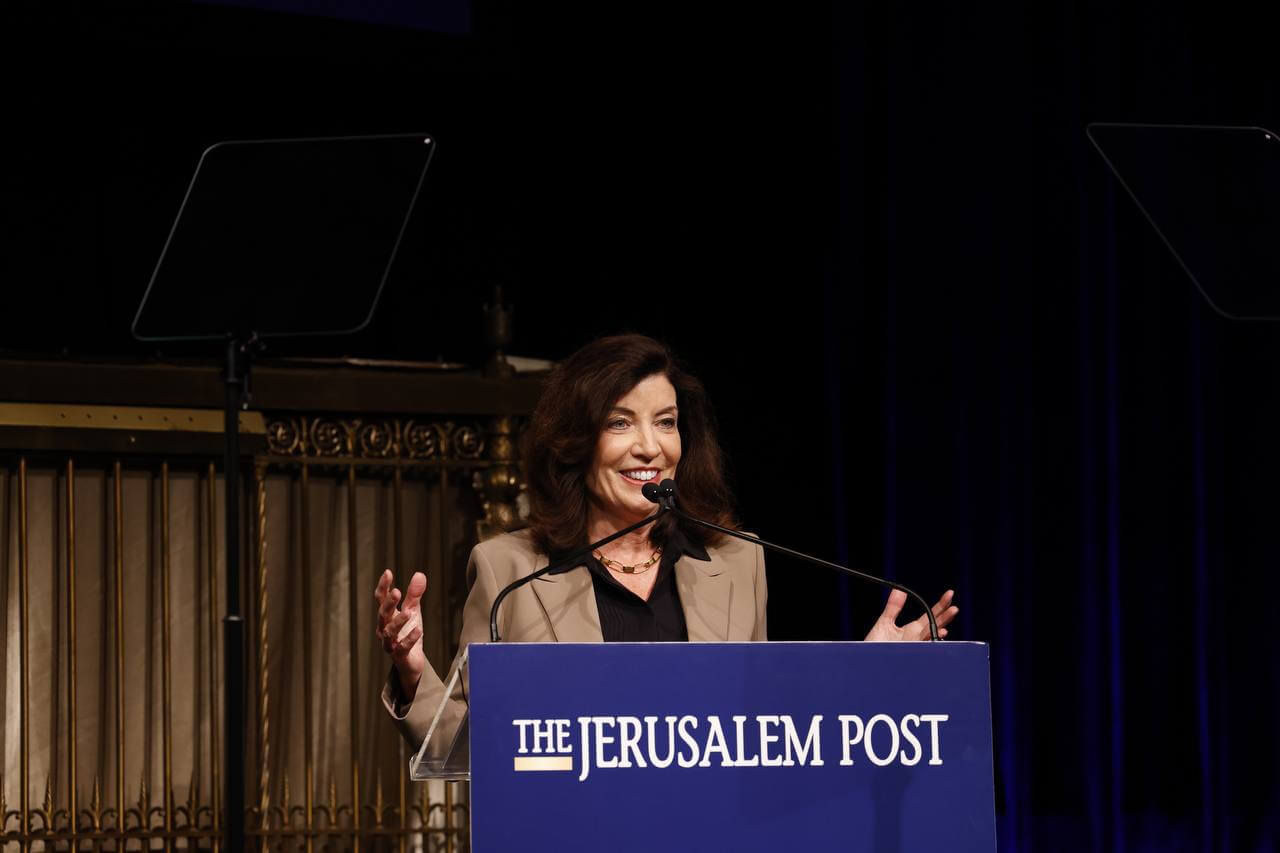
(1035, 406)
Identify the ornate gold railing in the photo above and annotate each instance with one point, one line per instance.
(118, 679)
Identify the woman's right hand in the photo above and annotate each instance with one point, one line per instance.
(400, 628)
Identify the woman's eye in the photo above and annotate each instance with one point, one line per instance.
(667, 423)
(617, 423)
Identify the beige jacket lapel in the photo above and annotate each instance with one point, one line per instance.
(705, 592)
(570, 604)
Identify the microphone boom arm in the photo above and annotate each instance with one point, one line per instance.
(933, 622)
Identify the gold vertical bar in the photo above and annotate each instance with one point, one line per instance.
(450, 823)
(146, 785)
(53, 673)
(445, 574)
(264, 693)
(166, 684)
(97, 820)
(397, 527)
(352, 549)
(6, 570)
(397, 549)
(24, 675)
(446, 634)
(215, 753)
(118, 517)
(305, 531)
(71, 648)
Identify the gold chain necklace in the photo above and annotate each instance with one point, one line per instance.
(638, 569)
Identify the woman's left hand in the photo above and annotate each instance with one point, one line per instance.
(887, 628)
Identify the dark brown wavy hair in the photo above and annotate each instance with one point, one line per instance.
(561, 442)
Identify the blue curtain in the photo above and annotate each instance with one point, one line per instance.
(1031, 403)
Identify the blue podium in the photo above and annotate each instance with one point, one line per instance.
(738, 746)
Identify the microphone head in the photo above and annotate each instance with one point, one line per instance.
(667, 488)
(651, 491)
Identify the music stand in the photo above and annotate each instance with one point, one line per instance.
(1211, 193)
(266, 230)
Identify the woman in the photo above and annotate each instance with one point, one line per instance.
(617, 414)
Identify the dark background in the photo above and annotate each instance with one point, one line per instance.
(943, 344)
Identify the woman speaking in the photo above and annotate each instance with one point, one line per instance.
(619, 413)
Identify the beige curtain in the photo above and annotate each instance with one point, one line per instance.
(316, 577)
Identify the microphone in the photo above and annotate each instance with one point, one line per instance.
(664, 494)
(649, 490)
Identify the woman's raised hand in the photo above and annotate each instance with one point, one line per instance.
(888, 629)
(399, 628)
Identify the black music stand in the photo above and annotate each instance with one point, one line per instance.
(266, 234)
(1212, 193)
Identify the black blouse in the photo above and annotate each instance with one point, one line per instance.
(627, 618)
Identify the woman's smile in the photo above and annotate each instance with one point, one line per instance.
(640, 476)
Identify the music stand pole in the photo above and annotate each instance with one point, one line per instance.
(263, 225)
(239, 354)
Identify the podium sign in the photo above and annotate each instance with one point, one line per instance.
(733, 746)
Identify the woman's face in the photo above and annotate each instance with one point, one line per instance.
(640, 444)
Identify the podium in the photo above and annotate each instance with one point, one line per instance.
(730, 746)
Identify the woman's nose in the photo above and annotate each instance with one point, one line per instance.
(646, 445)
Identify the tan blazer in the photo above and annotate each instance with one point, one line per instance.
(723, 601)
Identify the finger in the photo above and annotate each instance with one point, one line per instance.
(396, 624)
(388, 607)
(386, 637)
(384, 618)
(384, 583)
(413, 595)
(925, 635)
(943, 602)
(413, 621)
(893, 606)
(921, 626)
(945, 617)
(405, 645)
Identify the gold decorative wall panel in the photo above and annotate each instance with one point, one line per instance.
(111, 569)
